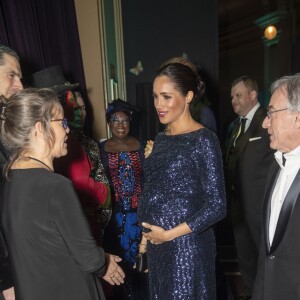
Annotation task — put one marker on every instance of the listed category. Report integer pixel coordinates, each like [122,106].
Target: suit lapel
[271,182]
[286,211]
[244,139]
[235,130]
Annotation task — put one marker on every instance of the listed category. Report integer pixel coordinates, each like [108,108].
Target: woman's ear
[189,97]
[38,129]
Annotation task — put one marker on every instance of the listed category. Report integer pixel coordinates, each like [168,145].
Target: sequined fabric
[92,150]
[183,183]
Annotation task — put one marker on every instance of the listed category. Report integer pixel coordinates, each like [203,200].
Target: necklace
[33,158]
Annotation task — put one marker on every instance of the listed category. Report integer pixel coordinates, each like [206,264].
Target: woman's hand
[143,245]
[114,274]
[148,148]
[142,250]
[157,235]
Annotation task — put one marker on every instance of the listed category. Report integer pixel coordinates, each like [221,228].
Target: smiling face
[119,125]
[170,104]
[282,125]
[242,99]
[10,76]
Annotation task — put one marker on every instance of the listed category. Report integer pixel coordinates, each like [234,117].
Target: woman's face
[119,125]
[170,104]
[60,145]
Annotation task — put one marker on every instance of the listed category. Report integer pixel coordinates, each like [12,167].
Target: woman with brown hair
[53,253]
[183,193]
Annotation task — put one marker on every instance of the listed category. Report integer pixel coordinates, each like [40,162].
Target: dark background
[155,31]
[221,37]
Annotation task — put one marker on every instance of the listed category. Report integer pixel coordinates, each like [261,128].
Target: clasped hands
[114,274]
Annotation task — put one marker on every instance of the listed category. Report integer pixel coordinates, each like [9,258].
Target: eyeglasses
[270,112]
[64,122]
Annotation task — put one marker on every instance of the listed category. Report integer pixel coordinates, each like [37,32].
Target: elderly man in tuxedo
[248,160]
[10,83]
[278,274]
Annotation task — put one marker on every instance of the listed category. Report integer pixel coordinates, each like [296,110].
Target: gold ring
[112,277]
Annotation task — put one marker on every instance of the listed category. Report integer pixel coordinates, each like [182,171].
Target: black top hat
[52,78]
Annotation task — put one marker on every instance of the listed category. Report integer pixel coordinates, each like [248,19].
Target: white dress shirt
[250,115]
[285,179]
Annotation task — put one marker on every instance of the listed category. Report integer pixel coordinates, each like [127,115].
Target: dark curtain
[44,33]
[147,124]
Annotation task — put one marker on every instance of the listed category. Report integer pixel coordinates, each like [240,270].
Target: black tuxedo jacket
[278,275]
[247,166]
[5,270]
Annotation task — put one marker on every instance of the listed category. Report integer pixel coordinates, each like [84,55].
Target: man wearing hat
[10,83]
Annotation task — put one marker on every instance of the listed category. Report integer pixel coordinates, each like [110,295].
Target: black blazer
[279,264]
[6,280]
[249,161]
[247,166]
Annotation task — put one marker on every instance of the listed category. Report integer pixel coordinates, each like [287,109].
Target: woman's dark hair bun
[201,88]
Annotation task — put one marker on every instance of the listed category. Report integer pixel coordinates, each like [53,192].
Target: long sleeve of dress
[74,229]
[183,183]
[209,167]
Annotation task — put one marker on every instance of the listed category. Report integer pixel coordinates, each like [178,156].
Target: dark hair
[181,60]
[118,105]
[250,83]
[9,51]
[184,79]
[20,113]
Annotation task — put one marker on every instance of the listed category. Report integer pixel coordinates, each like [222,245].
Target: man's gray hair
[291,86]
[9,51]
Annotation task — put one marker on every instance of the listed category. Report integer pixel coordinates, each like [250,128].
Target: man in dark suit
[248,160]
[279,258]
[10,83]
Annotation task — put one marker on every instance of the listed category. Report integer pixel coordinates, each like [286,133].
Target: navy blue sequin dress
[183,183]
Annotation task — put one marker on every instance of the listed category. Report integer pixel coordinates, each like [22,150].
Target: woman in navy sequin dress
[183,194]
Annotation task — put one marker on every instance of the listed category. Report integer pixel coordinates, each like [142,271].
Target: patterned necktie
[241,129]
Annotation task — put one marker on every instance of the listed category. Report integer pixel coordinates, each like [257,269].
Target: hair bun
[201,88]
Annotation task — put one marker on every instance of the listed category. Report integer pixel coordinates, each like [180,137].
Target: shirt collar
[251,113]
[290,157]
